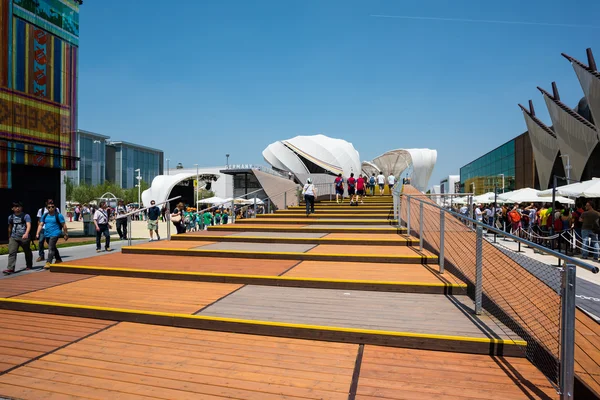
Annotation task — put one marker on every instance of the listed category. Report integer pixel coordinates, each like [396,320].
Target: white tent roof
[397,161]
[163,184]
[528,195]
[213,200]
[588,189]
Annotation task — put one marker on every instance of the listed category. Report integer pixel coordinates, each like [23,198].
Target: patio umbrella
[529,195]
[588,189]
[212,200]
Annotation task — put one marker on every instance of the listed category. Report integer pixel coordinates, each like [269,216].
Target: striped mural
[38,93]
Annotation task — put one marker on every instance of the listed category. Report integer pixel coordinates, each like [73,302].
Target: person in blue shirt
[53,224]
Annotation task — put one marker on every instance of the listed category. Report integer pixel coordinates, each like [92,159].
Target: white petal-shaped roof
[420,161]
[332,155]
[162,185]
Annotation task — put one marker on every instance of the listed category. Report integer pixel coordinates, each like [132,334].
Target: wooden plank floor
[376,250]
[398,312]
[371,272]
[174,244]
[26,336]
[253,266]
[395,374]
[135,293]
[132,361]
[18,284]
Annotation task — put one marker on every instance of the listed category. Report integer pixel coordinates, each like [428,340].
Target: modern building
[450,184]
[91,151]
[507,167]
[38,99]
[123,158]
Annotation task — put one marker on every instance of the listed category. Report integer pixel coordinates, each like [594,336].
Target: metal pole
[495,206]
[554,181]
[442,227]
[478,269]
[399,219]
[421,233]
[254,205]
[233,211]
[408,215]
[197,187]
[129,230]
[331,192]
[269,205]
[168,218]
[567,339]
[285,200]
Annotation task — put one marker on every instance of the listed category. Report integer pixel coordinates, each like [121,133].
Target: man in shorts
[391,180]
[360,188]
[339,189]
[351,187]
[381,182]
[372,181]
[153,216]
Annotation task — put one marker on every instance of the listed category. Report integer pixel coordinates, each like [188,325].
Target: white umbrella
[484,198]
[461,200]
[239,200]
[589,189]
[528,195]
[212,200]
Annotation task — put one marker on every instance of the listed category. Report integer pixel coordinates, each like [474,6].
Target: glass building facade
[128,157]
[513,159]
[91,150]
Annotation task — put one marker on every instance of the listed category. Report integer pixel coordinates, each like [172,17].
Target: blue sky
[201,78]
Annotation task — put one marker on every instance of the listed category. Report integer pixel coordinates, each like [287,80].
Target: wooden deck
[133,361]
[18,284]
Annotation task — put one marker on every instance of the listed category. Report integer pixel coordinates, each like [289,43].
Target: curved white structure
[313,154]
[162,186]
[422,162]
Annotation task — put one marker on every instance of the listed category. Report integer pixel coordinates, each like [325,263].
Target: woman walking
[310,192]
[178,218]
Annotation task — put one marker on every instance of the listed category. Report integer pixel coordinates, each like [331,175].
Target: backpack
[372,180]
[351,184]
[338,183]
[11,219]
[514,217]
[60,225]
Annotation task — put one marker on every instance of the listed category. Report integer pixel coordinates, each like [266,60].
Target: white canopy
[528,195]
[589,188]
[484,198]
[213,200]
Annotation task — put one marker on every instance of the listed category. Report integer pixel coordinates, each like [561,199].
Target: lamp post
[227,155]
[197,186]
[168,166]
[567,167]
[502,175]
[139,186]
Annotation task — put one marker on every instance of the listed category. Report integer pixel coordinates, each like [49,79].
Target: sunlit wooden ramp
[137,361]
[395,319]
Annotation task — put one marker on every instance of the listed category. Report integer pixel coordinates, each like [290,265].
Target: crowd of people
[574,228]
[363,185]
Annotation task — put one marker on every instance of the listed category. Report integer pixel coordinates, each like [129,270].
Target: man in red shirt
[360,189]
[352,188]
[339,188]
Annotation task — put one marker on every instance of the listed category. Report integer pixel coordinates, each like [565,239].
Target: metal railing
[167,217]
[535,301]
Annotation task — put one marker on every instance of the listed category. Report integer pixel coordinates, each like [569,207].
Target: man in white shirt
[40,214]
[381,182]
[478,213]
[391,181]
[102,227]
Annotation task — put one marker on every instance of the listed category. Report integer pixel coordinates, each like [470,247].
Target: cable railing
[167,216]
[535,301]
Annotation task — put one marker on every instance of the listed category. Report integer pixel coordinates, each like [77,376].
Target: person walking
[207,219]
[19,226]
[102,227]
[121,222]
[391,180]
[178,218]
[77,212]
[154,214]
[372,181]
[52,223]
[381,182]
[360,188]
[339,189]
[310,192]
[589,231]
[42,239]
[351,188]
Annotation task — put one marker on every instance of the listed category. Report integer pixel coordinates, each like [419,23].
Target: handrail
[145,208]
[569,260]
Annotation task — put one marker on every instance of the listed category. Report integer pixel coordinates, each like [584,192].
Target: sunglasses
[50,207]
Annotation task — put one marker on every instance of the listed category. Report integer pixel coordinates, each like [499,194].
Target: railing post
[408,215]
[331,193]
[269,205]
[233,211]
[421,233]
[399,217]
[567,338]
[129,230]
[441,257]
[478,269]
[285,201]
[254,206]
[168,218]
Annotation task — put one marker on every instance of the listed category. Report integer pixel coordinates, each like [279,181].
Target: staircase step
[409,257]
[320,221]
[306,229]
[324,214]
[400,241]
[268,280]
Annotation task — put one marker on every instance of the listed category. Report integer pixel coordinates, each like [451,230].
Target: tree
[69,187]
